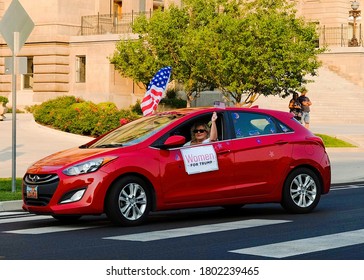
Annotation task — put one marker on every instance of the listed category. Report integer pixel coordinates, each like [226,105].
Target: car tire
[301,191]
[128,202]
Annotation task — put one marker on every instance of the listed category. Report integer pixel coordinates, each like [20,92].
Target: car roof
[253,109]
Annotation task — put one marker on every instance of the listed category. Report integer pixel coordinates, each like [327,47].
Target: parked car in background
[261,156]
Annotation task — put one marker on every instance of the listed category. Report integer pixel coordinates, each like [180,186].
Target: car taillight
[316,139]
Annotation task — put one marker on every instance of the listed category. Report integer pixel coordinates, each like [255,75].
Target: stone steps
[334,99]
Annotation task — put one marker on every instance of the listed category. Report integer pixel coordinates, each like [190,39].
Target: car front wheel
[302,191]
[128,202]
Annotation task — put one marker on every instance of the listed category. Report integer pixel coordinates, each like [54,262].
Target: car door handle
[281,142]
[221,152]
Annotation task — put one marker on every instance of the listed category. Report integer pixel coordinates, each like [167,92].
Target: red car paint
[257,151]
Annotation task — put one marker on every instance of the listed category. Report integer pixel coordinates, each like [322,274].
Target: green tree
[244,47]
[267,50]
[133,60]
[164,40]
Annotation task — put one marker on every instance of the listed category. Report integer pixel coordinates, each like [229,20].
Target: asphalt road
[334,231]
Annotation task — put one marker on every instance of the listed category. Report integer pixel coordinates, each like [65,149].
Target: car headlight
[87,166]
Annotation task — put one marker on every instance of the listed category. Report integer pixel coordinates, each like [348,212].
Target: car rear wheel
[128,202]
[302,191]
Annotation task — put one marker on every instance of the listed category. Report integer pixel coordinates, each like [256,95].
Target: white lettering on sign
[199,159]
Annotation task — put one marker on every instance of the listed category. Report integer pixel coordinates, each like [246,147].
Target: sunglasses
[199,131]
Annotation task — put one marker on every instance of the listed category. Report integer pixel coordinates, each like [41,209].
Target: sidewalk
[347,164]
[35,142]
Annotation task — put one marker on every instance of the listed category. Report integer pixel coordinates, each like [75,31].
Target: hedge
[74,115]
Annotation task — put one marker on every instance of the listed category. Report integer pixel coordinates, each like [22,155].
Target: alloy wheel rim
[132,201]
[303,190]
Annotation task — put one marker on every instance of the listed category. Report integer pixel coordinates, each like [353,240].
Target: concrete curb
[13,205]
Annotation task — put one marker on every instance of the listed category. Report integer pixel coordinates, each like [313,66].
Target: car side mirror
[172,142]
[175,140]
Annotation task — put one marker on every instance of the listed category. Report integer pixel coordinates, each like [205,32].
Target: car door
[262,153]
[199,174]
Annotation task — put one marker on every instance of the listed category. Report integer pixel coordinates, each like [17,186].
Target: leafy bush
[4,100]
[110,117]
[171,94]
[49,111]
[136,108]
[31,108]
[172,101]
[77,116]
[74,115]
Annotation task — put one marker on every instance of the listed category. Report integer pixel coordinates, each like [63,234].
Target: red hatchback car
[260,156]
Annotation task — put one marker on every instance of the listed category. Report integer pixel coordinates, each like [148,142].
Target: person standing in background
[305,104]
[295,107]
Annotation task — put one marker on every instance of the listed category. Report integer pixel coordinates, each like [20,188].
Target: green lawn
[6,189]
[7,194]
[333,142]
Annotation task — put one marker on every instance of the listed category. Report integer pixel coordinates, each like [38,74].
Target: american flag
[155,90]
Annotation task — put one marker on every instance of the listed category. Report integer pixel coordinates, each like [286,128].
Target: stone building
[68,50]
[337,29]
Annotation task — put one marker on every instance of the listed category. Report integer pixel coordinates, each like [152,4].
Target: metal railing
[120,24]
[339,36]
[109,23]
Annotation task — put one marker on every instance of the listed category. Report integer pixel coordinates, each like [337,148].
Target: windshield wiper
[109,145]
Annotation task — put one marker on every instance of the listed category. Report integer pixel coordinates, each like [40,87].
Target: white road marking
[52,229]
[11,213]
[346,187]
[305,246]
[188,231]
[23,219]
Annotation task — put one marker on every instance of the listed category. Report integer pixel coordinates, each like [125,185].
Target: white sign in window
[200,159]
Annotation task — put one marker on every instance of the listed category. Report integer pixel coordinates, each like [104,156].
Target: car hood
[65,158]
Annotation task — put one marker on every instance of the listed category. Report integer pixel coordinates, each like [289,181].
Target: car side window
[185,128]
[285,128]
[253,124]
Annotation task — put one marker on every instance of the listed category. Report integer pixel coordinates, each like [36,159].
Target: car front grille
[46,185]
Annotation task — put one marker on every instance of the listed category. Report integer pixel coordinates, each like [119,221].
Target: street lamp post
[354,14]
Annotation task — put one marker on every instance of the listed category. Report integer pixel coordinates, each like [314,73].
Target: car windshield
[135,132]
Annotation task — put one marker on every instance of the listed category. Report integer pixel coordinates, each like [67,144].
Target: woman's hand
[213,131]
[214,117]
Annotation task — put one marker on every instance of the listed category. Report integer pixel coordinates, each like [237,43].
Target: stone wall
[56,42]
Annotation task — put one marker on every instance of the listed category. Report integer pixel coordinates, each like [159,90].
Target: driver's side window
[185,128]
